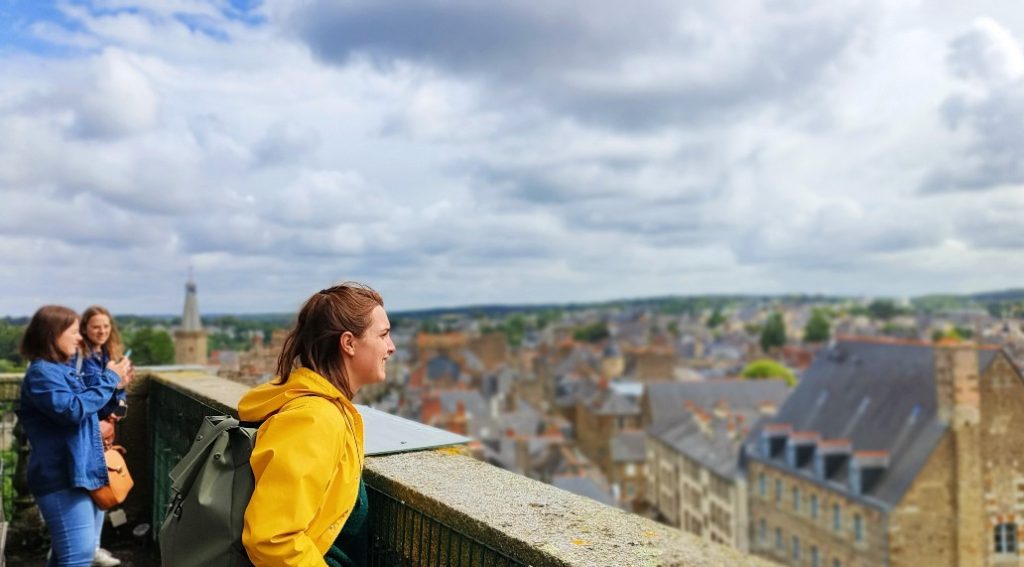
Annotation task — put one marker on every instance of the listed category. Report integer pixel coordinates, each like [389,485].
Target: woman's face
[97,330]
[371,351]
[69,339]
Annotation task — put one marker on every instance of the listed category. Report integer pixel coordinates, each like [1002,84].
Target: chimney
[866,469]
[768,408]
[831,456]
[773,439]
[703,420]
[721,409]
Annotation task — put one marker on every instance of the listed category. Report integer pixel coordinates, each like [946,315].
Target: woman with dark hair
[309,503]
[101,343]
[58,413]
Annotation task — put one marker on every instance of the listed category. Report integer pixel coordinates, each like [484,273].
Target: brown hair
[314,341]
[42,332]
[113,347]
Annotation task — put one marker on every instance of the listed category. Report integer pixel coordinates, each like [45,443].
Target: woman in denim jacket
[101,343]
[58,414]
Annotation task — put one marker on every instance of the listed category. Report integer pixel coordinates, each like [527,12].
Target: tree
[883,309]
[150,346]
[10,340]
[818,329]
[773,335]
[716,318]
[768,368]
[593,333]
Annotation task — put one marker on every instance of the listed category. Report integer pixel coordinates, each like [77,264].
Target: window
[778,490]
[762,530]
[815,559]
[796,548]
[796,499]
[1006,538]
[762,485]
[837,518]
[858,528]
[814,506]
[778,538]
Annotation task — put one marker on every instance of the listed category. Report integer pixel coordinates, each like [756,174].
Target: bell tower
[190,338]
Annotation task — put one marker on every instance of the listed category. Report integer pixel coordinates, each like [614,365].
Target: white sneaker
[103,558]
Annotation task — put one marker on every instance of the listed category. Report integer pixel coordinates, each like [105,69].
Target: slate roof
[610,401]
[584,486]
[714,450]
[879,396]
[628,447]
[440,366]
[666,399]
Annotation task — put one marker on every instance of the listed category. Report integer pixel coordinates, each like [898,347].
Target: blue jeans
[71,518]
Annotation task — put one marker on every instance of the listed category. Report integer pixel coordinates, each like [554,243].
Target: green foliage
[593,333]
[883,309]
[150,346]
[10,339]
[768,368]
[773,335]
[514,328]
[965,333]
[8,366]
[716,318]
[673,328]
[225,341]
[818,329]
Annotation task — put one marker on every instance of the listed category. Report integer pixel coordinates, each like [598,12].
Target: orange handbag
[120,484]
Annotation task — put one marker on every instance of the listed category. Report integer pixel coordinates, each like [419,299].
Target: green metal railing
[402,536]
[175,417]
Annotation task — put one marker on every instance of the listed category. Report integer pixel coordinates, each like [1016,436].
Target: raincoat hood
[267,399]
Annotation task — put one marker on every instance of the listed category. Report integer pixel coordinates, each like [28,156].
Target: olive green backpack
[211,488]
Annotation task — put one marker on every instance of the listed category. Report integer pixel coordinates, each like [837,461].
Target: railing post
[27,531]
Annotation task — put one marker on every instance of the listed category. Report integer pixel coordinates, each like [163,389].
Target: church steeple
[190,320]
[190,338]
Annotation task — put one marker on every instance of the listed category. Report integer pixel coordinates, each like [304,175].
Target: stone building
[601,417]
[628,473]
[693,444]
[190,338]
[895,454]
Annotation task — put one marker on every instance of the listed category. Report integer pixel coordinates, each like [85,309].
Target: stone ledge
[537,523]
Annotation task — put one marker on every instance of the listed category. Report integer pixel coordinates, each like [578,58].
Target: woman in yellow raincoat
[309,504]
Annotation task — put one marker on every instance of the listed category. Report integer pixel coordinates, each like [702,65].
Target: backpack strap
[182,474]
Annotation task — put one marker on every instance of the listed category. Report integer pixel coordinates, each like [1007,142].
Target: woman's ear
[347,342]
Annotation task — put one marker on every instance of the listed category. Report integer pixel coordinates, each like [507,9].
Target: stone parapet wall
[532,522]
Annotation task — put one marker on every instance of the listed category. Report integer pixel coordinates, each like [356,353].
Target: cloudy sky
[453,152]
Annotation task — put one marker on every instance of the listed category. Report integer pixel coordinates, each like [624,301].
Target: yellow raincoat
[307,463]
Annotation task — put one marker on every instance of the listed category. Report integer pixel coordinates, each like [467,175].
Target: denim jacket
[58,413]
[93,366]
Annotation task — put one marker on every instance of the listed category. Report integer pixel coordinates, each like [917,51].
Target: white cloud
[457,152]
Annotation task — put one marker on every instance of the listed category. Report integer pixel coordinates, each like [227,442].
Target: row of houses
[886,453]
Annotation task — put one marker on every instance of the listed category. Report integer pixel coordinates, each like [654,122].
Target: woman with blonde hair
[310,444]
[58,412]
[101,343]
